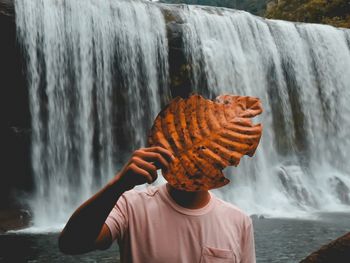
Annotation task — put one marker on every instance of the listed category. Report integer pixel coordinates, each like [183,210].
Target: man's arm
[86,230]
[248,244]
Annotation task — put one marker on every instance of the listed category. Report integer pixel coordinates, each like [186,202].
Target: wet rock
[257,216]
[14,219]
[338,251]
[290,177]
[179,68]
[341,190]
[6,7]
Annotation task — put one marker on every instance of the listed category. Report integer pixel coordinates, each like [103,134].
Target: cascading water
[83,57]
[302,74]
[98,73]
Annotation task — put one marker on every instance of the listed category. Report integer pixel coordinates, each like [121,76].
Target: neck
[191,200]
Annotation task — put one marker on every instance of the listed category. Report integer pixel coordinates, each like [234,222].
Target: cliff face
[15,123]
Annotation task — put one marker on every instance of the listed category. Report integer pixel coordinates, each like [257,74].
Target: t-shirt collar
[187,211]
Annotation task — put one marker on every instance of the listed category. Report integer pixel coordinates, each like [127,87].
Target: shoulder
[232,212]
[141,194]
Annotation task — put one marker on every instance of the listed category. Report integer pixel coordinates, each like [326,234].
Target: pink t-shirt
[151,227]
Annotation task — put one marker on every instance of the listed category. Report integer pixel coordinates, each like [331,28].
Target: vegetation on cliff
[335,12]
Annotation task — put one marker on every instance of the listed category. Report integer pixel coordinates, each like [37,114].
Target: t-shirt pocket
[217,255]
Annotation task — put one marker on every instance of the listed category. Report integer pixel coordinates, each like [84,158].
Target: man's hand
[143,165]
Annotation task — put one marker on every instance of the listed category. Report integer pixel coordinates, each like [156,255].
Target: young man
[161,224]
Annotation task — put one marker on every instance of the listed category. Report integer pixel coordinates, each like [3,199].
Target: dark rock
[257,216]
[179,68]
[338,251]
[14,219]
[7,8]
[15,123]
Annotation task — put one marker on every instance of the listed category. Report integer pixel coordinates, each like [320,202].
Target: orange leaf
[206,136]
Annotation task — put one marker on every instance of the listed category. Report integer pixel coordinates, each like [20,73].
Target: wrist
[119,185]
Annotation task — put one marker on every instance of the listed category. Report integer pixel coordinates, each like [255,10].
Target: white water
[90,61]
[72,49]
[302,74]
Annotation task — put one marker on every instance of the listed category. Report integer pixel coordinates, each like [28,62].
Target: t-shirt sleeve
[248,246]
[117,220]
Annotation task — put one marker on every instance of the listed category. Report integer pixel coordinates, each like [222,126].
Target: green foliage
[333,12]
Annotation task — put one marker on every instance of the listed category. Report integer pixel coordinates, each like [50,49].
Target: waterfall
[87,62]
[98,74]
[302,74]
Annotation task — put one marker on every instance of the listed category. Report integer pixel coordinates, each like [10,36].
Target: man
[161,224]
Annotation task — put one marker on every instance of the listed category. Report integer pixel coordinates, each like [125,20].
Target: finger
[164,152]
[149,167]
[141,172]
[157,158]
